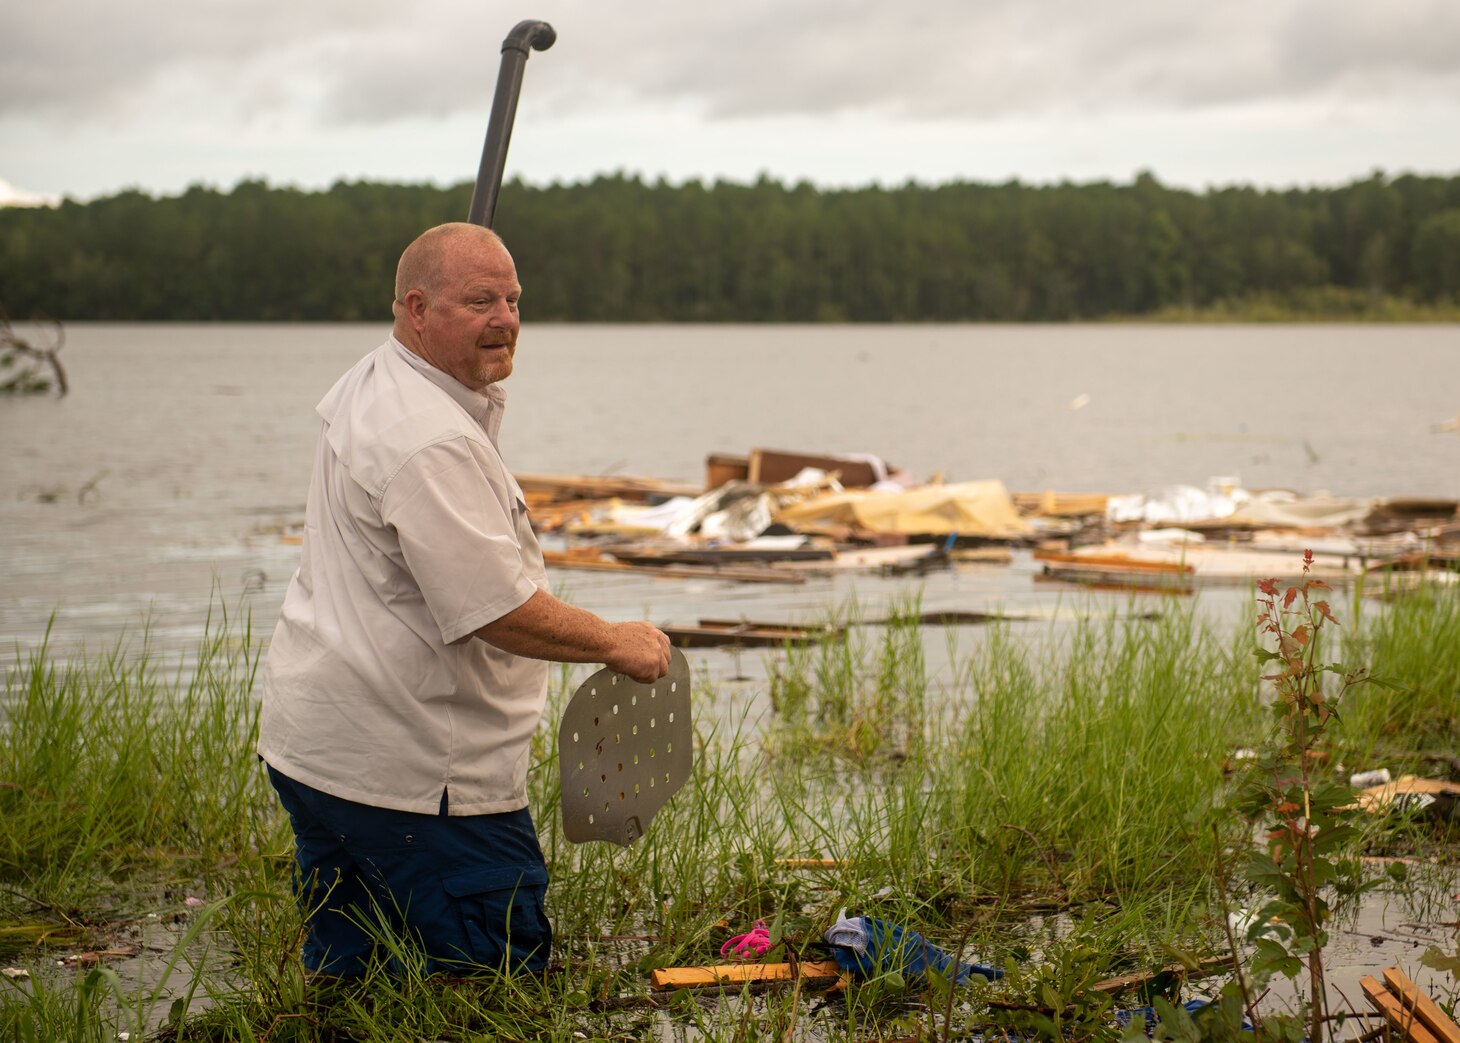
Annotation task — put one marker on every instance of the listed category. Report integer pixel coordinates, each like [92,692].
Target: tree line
[622,249]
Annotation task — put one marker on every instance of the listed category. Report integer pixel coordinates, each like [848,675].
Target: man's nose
[501,315]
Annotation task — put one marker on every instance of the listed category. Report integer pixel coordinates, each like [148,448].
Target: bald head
[426,264]
[456,295]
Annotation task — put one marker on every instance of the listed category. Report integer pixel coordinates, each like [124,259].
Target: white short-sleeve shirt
[416,535]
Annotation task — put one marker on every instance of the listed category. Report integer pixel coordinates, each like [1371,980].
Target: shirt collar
[485,406]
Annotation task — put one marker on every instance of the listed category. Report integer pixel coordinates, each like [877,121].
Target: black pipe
[524,38]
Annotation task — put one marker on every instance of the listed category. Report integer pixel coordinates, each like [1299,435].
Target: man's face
[469,327]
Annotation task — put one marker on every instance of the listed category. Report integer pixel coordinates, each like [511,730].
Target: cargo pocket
[503,922]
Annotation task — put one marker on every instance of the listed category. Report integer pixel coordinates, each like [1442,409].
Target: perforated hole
[671,716]
[651,782]
[621,766]
[651,722]
[590,820]
[636,729]
[669,747]
[615,707]
[633,700]
[575,736]
[674,686]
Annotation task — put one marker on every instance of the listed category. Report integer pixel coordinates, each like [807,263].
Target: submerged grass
[1053,802]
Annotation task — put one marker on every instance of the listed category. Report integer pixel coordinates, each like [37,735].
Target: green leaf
[1440,961]
[1272,958]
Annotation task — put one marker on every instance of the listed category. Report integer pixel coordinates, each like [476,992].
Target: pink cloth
[748,946]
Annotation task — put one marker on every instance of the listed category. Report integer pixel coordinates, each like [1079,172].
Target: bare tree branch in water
[23,365]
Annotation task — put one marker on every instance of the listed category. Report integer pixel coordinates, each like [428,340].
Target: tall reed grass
[1080,769]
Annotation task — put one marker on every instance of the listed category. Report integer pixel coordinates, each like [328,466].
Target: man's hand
[641,650]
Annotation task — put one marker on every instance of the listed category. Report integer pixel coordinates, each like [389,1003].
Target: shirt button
[409,838]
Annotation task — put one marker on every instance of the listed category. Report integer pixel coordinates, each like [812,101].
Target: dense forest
[621,249]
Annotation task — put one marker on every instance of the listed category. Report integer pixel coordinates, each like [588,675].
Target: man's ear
[415,307]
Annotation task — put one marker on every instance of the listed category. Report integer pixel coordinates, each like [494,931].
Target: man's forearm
[543,627]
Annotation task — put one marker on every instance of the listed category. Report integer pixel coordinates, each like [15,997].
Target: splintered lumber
[722,633]
[728,555]
[1136,979]
[740,973]
[1051,504]
[1125,982]
[1379,798]
[601,487]
[738,573]
[1416,1002]
[773,466]
[1114,563]
[1116,570]
[1404,1022]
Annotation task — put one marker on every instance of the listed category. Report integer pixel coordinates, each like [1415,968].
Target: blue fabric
[468,890]
[1148,1014]
[891,947]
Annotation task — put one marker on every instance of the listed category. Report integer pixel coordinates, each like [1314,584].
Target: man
[406,675]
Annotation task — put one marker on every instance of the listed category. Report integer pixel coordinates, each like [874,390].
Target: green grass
[1054,801]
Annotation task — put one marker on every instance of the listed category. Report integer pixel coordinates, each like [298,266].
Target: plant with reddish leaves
[1302,817]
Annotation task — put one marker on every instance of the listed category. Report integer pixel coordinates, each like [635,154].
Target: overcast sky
[160,94]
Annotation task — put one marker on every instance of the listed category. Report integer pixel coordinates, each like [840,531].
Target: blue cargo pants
[467,890]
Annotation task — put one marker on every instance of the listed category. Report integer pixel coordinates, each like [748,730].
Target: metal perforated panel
[624,748]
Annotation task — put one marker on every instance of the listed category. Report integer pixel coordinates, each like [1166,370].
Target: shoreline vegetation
[1062,806]
[620,249]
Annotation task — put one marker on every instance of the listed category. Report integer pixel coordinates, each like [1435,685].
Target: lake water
[182,449]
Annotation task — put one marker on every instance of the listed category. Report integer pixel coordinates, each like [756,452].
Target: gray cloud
[370,61]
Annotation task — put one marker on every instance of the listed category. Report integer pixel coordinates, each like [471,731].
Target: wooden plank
[737,573]
[722,468]
[1051,504]
[1125,982]
[1377,798]
[1412,999]
[1401,1020]
[601,487]
[740,636]
[790,629]
[740,973]
[773,466]
[1114,563]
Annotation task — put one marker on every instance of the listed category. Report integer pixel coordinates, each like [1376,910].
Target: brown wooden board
[721,469]
[737,573]
[739,636]
[1435,1019]
[739,973]
[1402,1021]
[773,466]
